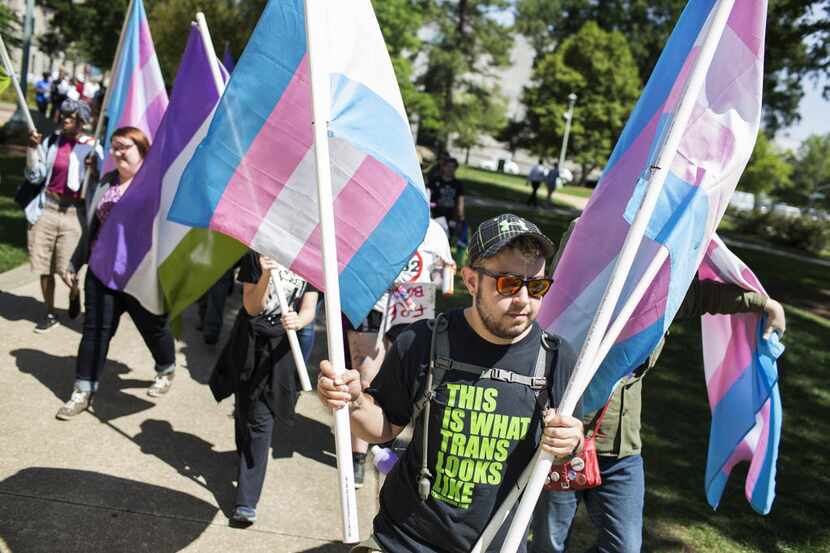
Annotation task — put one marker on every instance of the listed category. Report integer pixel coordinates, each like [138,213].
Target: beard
[500,326]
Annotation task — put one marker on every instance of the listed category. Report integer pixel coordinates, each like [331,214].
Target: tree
[400,21]
[811,175]
[797,41]
[170,24]
[476,115]
[52,43]
[9,26]
[597,66]
[768,171]
[467,43]
[93,26]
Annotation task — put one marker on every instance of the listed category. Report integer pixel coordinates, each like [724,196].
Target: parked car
[504,165]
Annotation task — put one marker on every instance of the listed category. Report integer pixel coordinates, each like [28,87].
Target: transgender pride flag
[742,379]
[715,147]
[253,177]
[137,96]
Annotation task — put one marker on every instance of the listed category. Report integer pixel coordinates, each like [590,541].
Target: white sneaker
[161,385]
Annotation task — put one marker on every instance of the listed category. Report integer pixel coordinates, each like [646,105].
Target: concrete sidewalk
[144,474]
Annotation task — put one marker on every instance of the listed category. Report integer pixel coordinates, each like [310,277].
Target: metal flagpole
[321,104]
[587,357]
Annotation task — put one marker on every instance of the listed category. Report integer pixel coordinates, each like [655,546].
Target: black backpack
[440,363]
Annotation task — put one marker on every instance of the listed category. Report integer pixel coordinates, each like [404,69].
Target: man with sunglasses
[474,383]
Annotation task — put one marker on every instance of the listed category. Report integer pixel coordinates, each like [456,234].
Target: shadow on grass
[676,428]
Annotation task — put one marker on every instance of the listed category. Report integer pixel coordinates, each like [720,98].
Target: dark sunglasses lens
[508,285]
[538,287]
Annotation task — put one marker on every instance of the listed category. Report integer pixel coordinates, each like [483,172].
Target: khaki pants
[54,237]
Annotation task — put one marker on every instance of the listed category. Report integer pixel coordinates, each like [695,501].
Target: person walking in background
[56,215]
[447,196]
[535,177]
[42,94]
[552,181]
[57,94]
[104,306]
[249,368]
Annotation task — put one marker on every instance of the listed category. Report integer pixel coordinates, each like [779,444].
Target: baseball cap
[494,234]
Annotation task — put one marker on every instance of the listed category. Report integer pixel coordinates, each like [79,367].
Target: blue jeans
[615,509]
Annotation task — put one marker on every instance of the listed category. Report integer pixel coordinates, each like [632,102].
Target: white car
[510,166]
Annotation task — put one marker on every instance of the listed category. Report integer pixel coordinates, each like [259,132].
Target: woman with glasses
[56,215]
[103,305]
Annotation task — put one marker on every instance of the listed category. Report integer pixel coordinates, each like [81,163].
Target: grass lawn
[12,223]
[676,425]
[512,188]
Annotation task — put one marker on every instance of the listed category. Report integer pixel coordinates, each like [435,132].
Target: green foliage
[597,66]
[400,21]
[768,169]
[92,27]
[797,40]
[466,44]
[812,172]
[805,233]
[170,25]
[9,26]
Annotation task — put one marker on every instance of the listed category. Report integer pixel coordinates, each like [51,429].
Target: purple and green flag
[165,265]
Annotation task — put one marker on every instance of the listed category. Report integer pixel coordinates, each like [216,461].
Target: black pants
[532,199]
[251,476]
[104,308]
[212,305]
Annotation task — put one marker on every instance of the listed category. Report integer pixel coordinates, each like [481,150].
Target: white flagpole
[383,322]
[21,99]
[296,352]
[587,357]
[99,126]
[321,104]
[207,41]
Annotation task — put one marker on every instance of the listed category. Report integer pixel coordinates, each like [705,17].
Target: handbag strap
[596,422]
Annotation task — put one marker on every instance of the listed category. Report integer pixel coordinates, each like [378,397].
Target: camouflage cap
[494,234]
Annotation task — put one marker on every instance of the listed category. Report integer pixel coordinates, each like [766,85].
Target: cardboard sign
[421,302]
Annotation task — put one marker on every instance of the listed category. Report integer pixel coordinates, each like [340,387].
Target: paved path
[144,474]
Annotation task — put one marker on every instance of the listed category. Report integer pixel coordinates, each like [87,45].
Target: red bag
[582,471]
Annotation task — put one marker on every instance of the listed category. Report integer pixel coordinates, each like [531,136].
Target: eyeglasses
[509,284]
[120,148]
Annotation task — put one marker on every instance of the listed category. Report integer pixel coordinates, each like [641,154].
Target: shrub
[807,233]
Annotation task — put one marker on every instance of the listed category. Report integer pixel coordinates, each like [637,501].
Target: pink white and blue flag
[716,145]
[742,381]
[165,265]
[253,177]
[138,97]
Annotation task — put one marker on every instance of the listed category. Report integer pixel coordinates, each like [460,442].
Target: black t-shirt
[444,194]
[293,286]
[483,434]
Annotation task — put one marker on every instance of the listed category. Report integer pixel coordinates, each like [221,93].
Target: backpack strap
[440,343]
[546,363]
